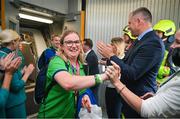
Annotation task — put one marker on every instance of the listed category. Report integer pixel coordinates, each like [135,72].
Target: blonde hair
[8,35]
[119,43]
[61,52]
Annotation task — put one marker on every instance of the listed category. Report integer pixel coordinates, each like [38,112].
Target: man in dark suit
[140,66]
[92,62]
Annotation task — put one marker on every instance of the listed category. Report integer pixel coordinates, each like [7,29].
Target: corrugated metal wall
[106,18]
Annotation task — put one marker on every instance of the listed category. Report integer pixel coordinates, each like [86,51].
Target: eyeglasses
[70,43]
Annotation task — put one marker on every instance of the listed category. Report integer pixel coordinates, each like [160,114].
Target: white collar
[88,52]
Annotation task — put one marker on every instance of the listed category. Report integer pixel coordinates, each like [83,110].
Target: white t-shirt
[166,102]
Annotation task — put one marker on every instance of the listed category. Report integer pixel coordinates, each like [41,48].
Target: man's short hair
[53,36]
[88,42]
[146,14]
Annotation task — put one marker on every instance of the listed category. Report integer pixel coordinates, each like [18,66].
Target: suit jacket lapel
[136,44]
[89,54]
[131,50]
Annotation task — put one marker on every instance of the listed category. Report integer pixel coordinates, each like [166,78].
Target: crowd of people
[141,77]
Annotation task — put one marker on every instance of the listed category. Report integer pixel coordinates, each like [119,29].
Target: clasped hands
[113,73]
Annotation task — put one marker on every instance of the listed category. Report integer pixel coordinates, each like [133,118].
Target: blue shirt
[144,33]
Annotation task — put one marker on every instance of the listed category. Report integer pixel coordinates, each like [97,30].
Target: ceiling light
[35,12]
[34,18]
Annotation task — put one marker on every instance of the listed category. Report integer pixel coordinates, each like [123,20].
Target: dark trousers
[113,103]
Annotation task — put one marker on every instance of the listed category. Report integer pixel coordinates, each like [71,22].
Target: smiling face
[71,45]
[55,42]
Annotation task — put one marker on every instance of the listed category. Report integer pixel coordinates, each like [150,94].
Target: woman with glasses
[67,71]
[15,105]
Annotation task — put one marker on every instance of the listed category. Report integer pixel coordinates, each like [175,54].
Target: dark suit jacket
[92,62]
[140,66]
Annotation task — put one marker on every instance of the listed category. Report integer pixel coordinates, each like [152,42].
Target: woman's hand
[105,50]
[29,69]
[113,72]
[5,61]
[13,66]
[23,70]
[86,103]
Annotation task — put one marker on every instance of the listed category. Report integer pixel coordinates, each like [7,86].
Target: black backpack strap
[41,61]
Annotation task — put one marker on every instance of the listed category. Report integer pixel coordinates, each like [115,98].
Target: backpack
[41,92]
[46,56]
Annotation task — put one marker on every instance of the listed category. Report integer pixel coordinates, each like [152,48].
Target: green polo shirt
[60,103]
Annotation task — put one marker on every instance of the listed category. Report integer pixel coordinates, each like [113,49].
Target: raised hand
[5,61]
[105,50]
[28,71]
[13,65]
[23,70]
[86,103]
